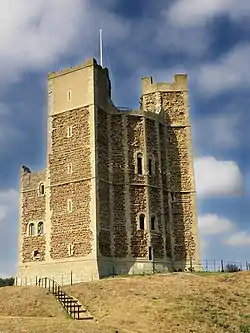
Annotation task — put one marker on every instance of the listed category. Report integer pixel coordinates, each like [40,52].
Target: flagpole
[101,47]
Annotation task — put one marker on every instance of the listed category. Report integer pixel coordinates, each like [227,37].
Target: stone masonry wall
[118,169]
[165,187]
[74,150]
[174,105]
[103,120]
[139,238]
[33,210]
[137,191]
[181,176]
[70,227]
[152,150]
[136,144]
[155,190]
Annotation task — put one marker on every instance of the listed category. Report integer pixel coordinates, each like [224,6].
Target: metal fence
[212,265]
[224,266]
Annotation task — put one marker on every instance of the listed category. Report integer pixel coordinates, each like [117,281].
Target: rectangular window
[142,221]
[150,172]
[139,164]
[152,222]
[150,257]
[69,95]
[69,205]
[70,168]
[69,131]
[71,249]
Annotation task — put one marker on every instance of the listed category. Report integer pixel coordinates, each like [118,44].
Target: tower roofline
[180,83]
[88,63]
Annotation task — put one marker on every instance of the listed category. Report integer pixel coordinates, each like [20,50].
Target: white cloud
[220,131]
[217,178]
[34,34]
[196,12]
[211,224]
[241,238]
[187,40]
[229,72]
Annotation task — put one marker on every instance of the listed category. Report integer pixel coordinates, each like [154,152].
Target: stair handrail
[56,289]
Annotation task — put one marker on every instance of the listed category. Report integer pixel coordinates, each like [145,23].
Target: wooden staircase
[72,306]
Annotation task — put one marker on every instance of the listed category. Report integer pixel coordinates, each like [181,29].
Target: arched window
[31,229]
[142,221]
[153,223]
[41,189]
[40,229]
[139,164]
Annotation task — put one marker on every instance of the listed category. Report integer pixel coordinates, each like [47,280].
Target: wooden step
[69,300]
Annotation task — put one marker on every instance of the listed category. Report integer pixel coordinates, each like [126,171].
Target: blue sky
[209,40]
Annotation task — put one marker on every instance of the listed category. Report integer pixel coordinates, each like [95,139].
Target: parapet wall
[31,180]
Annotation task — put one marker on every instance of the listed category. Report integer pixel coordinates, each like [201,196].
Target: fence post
[214,265]
[191,265]
[222,266]
[71,277]
[246,265]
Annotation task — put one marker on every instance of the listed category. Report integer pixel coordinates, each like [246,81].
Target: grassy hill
[179,302]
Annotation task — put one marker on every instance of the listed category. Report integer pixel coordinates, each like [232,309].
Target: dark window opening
[40,228]
[141,220]
[150,169]
[41,189]
[36,254]
[152,222]
[139,164]
[31,229]
[150,253]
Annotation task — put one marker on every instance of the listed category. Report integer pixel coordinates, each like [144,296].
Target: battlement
[89,63]
[180,83]
[31,180]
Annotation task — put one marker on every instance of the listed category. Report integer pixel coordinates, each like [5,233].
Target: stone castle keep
[118,192]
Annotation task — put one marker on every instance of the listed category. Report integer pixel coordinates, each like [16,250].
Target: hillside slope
[178,302]
[170,303]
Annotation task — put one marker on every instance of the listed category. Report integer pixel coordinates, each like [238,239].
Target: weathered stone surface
[152,151]
[104,243]
[102,144]
[117,148]
[183,221]
[31,244]
[139,238]
[75,150]
[33,210]
[71,228]
[136,144]
[118,167]
[175,109]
